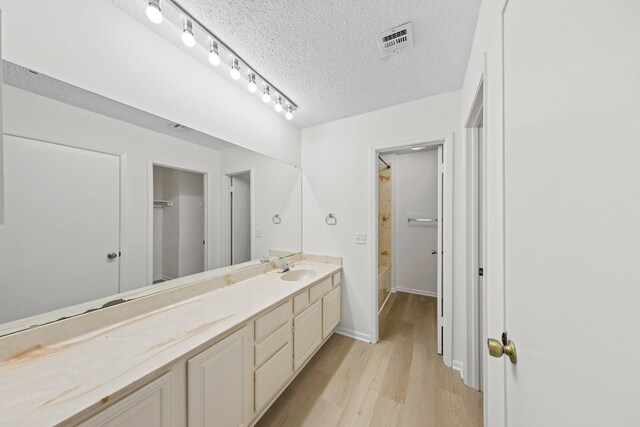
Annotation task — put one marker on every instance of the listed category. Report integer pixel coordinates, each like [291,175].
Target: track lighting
[154,13]
[214,56]
[159,11]
[252,83]
[235,69]
[266,96]
[187,34]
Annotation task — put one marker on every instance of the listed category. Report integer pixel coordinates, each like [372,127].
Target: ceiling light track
[192,32]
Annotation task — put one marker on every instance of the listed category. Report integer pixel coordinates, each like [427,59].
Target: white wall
[93,45]
[37,117]
[336,162]
[415,186]
[276,189]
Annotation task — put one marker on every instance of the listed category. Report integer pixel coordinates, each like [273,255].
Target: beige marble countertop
[48,385]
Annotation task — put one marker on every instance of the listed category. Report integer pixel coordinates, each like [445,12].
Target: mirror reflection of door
[240,217]
[178,223]
[60,243]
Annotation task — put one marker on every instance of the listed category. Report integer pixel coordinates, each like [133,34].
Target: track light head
[214,55]
[235,69]
[252,83]
[187,34]
[154,12]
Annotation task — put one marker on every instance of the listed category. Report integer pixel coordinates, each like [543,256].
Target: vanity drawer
[270,345]
[273,320]
[301,301]
[320,289]
[337,279]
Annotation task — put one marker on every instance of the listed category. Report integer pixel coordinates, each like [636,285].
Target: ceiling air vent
[396,39]
[178,127]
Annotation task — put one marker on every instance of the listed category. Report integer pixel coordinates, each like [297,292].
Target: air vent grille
[178,127]
[396,39]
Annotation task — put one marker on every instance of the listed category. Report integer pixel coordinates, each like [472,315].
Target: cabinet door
[307,335]
[149,406]
[330,311]
[220,385]
[272,376]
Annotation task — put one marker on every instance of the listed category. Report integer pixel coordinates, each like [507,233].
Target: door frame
[447,143]
[205,189]
[475,116]
[226,206]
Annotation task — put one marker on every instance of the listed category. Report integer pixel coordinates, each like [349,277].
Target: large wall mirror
[104,202]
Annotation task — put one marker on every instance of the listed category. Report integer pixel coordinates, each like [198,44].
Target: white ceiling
[31,81]
[324,56]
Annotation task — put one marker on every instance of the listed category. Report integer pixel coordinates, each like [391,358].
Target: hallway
[400,381]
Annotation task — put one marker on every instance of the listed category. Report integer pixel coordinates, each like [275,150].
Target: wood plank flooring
[401,381]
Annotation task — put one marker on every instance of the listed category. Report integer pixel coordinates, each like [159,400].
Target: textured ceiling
[324,56]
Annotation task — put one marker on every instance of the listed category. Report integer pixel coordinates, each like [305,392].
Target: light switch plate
[361,239]
[258,232]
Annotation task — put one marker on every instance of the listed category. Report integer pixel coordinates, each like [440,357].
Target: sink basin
[295,275]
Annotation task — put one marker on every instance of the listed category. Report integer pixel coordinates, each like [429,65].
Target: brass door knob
[498,349]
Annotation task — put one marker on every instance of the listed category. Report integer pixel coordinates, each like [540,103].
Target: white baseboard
[457,365]
[353,334]
[418,292]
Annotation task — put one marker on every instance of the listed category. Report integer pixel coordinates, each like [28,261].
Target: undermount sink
[296,275]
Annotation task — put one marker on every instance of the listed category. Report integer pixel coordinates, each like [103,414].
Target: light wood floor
[400,381]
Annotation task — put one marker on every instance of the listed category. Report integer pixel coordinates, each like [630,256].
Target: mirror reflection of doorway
[240,217]
[178,223]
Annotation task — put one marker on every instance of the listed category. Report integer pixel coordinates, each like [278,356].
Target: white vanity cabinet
[220,384]
[149,406]
[233,382]
[330,312]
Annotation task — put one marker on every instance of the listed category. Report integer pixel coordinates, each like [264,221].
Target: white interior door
[62,220]
[572,209]
[241,218]
[416,242]
[440,248]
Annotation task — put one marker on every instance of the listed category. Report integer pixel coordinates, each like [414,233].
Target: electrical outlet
[361,239]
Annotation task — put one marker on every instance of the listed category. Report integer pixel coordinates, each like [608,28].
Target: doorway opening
[179,223]
[239,214]
[413,236]
[476,241]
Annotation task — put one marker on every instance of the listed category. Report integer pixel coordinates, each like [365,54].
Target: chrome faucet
[288,265]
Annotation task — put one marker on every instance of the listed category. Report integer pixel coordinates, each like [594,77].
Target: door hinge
[481,271]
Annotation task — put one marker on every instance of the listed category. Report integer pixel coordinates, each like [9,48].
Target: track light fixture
[235,69]
[266,96]
[252,83]
[176,15]
[187,33]
[154,12]
[214,56]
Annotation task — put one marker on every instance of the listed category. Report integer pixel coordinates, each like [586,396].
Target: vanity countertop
[47,385]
